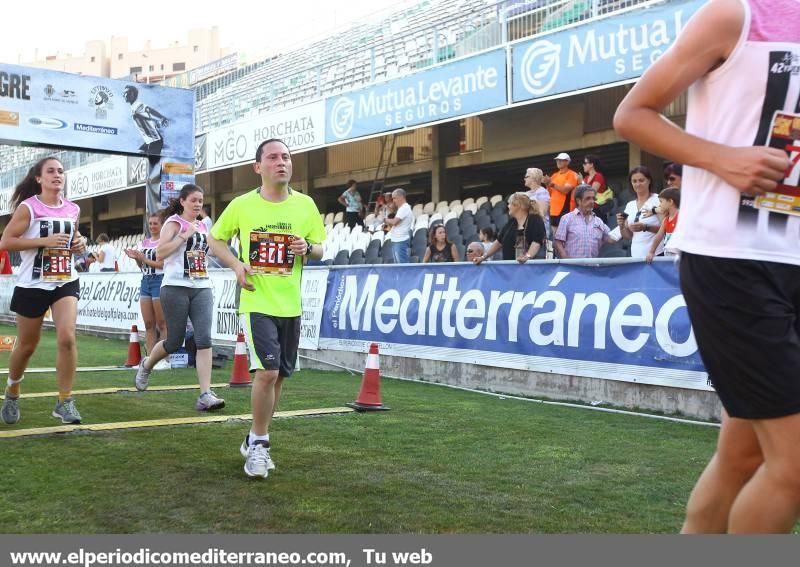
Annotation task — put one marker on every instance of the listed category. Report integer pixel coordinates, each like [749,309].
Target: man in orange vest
[562,183]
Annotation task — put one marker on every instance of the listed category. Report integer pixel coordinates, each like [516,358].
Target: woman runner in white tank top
[186,292]
[44,230]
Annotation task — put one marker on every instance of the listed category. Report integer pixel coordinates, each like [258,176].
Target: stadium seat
[356,257]
[461,249]
[452,229]
[342,258]
[429,208]
[338,217]
[482,222]
[467,201]
[373,253]
[495,199]
[480,201]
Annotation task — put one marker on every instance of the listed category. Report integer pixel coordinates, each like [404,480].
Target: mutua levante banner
[623,322]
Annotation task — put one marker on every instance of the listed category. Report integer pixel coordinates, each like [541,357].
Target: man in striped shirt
[581,233]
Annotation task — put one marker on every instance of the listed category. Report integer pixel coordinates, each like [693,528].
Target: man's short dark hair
[351,182]
[671,194]
[672,168]
[581,190]
[260,149]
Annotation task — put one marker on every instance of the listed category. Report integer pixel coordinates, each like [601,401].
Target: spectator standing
[524,234]
[351,200]
[562,183]
[669,205]
[641,228]
[400,227]
[604,197]
[581,233]
[106,254]
[673,175]
[537,192]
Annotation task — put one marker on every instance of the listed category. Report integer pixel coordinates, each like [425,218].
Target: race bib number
[270,254]
[784,134]
[197,266]
[56,264]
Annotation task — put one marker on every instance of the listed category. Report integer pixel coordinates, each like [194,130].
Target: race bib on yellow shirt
[270,254]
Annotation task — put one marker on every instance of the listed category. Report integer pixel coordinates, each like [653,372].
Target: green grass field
[441,461]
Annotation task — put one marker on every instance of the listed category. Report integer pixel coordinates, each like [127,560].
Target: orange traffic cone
[240,375]
[369,398]
[134,352]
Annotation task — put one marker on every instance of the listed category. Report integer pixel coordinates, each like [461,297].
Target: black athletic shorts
[33,302]
[746,319]
[272,342]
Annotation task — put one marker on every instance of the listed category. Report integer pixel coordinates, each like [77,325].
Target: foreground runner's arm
[705,43]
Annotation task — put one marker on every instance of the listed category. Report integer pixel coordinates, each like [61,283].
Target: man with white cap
[562,183]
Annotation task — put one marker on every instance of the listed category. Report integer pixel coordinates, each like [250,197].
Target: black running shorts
[33,302]
[272,342]
[746,318]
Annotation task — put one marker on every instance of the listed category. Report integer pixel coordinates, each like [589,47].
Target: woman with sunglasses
[641,229]
[592,175]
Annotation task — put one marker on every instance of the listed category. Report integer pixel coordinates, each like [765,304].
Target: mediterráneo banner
[623,322]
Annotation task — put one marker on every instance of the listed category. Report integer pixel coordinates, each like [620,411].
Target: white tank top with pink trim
[751,99]
[45,221]
[184,266]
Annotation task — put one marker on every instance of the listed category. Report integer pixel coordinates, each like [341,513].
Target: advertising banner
[301,128]
[623,322]
[43,107]
[99,178]
[138,169]
[174,175]
[463,87]
[597,53]
[110,300]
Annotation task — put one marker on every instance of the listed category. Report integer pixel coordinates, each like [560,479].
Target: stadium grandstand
[457,172]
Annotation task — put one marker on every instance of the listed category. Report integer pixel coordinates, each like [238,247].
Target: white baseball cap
[563,155]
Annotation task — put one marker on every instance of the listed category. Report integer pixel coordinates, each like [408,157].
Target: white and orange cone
[134,350]
[240,375]
[369,398]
